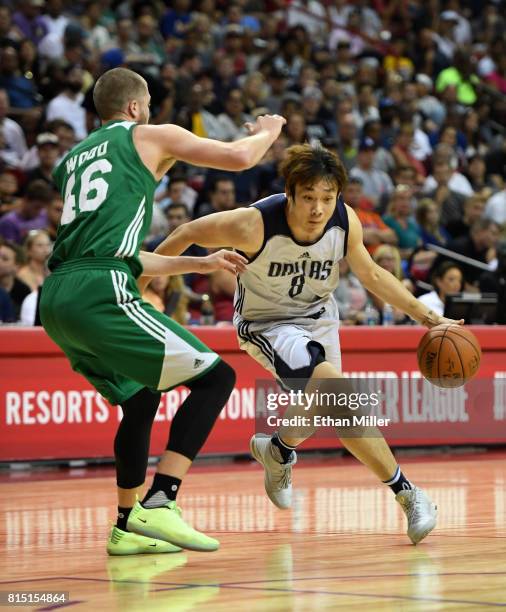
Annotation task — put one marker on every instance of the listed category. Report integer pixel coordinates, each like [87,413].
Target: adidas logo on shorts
[304,255]
[197,363]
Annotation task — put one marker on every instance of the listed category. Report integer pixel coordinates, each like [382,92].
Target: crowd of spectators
[410,95]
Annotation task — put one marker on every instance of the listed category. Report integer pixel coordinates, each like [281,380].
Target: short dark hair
[220,178]
[39,190]
[19,253]
[443,268]
[115,88]
[175,205]
[304,164]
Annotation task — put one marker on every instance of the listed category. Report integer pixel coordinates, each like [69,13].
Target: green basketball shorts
[93,311]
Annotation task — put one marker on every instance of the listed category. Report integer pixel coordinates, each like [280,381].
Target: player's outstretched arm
[383,284]
[175,143]
[160,265]
[241,229]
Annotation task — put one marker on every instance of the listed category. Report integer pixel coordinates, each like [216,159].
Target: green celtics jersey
[108,198]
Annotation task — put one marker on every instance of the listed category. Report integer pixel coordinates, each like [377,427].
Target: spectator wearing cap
[31,214]
[67,105]
[399,218]
[49,152]
[461,31]
[29,21]
[374,229]
[376,183]
[12,134]
[444,38]
[233,119]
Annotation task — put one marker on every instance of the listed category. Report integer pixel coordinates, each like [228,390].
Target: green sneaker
[127,543]
[166,523]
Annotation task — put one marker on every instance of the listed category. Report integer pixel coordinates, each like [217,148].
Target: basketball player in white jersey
[285,313]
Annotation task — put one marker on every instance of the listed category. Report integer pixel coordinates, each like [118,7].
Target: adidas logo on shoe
[304,255]
[197,363]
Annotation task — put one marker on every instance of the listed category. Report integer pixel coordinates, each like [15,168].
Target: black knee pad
[222,377]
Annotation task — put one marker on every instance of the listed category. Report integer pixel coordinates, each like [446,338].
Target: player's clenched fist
[270,123]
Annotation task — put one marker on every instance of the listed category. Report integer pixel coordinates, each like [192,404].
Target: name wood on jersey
[78,160]
[319,270]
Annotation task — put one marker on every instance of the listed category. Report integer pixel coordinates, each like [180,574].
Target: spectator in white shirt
[11,131]
[67,105]
[496,208]
[446,279]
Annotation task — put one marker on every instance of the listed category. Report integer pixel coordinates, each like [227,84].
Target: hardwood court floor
[342,546]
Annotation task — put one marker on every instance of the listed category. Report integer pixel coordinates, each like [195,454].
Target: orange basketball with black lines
[449,355]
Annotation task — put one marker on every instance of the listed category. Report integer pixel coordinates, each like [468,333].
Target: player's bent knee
[220,379]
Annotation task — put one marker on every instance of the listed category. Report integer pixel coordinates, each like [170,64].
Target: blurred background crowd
[410,94]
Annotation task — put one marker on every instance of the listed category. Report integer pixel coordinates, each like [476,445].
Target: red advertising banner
[47,411]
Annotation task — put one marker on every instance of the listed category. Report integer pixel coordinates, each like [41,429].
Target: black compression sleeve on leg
[131,444]
[197,414]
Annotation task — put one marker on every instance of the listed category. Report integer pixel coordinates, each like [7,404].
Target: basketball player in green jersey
[91,306]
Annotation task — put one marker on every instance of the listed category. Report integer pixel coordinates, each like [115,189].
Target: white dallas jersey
[287,279]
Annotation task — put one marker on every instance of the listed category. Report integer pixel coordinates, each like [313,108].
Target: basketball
[449,355]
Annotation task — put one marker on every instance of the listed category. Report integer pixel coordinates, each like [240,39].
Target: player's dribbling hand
[224,260]
[271,123]
[433,319]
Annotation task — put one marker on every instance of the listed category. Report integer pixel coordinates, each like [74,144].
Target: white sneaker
[278,476]
[421,513]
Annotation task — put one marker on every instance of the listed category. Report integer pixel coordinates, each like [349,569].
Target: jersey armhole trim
[136,153]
